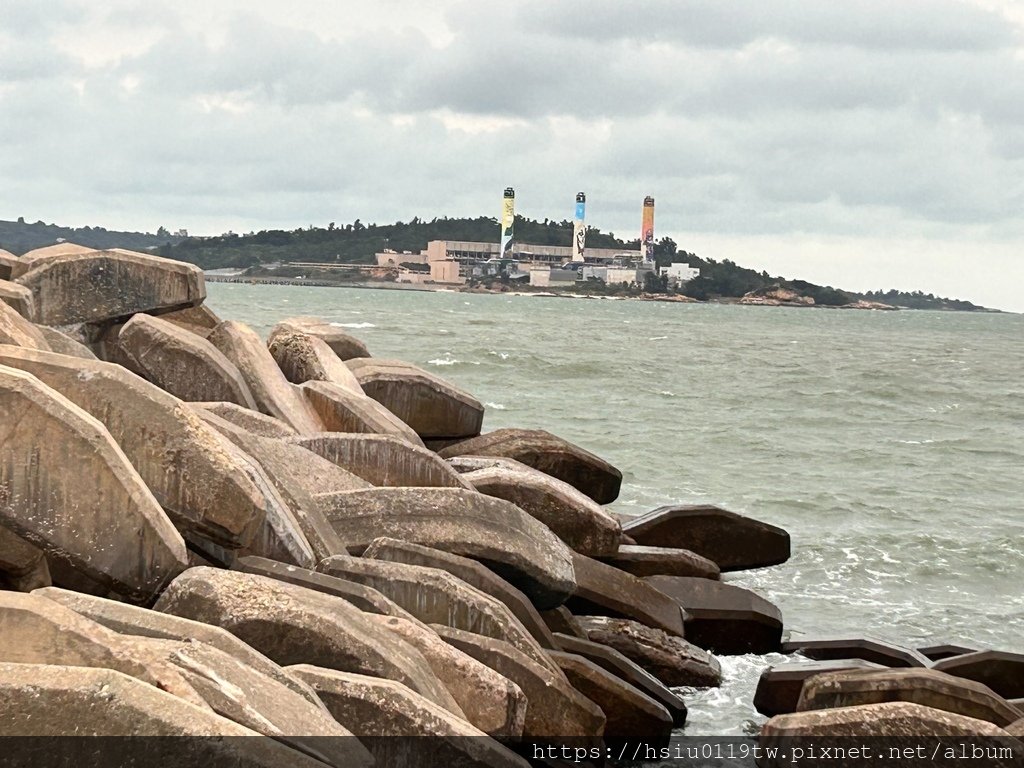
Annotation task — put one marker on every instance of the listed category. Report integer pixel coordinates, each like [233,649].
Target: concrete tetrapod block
[37,256]
[898,726]
[435,596]
[550,454]
[344,345]
[302,357]
[778,688]
[661,561]
[867,648]
[38,631]
[19,298]
[16,330]
[255,701]
[555,709]
[561,620]
[1001,671]
[615,663]
[1016,729]
[366,599]
[184,462]
[472,573]
[273,394]
[342,410]
[384,460]
[8,260]
[944,651]
[132,620]
[251,421]
[602,590]
[49,701]
[179,362]
[572,516]
[199,320]
[104,286]
[672,660]
[629,713]
[724,618]
[63,344]
[734,542]
[69,490]
[503,537]
[23,567]
[300,476]
[392,722]
[430,405]
[927,687]
[492,703]
[294,625]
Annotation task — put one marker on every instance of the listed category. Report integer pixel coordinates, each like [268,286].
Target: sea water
[889,444]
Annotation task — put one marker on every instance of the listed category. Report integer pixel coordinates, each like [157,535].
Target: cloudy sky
[865,144]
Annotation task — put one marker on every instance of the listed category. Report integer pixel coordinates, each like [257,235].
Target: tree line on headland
[357,242]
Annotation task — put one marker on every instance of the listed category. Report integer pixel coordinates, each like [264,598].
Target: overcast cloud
[866,144]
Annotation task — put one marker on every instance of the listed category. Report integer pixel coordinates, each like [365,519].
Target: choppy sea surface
[889,444]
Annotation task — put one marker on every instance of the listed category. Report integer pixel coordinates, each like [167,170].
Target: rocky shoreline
[207,534]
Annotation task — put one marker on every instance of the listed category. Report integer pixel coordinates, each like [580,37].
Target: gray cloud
[854,120]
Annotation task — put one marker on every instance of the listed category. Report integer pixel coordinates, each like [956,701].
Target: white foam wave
[444,361]
[354,325]
[657,338]
[495,406]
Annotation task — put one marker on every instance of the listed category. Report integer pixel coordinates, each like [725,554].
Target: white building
[680,273]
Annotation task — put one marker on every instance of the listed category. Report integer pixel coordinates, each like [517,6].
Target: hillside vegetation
[358,242]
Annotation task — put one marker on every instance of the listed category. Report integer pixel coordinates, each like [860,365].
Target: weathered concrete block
[273,394]
[366,599]
[342,410]
[944,651]
[63,344]
[303,358]
[179,362]
[184,462]
[661,561]
[8,260]
[472,573]
[735,542]
[435,596]
[629,713]
[615,663]
[550,454]
[1001,671]
[104,286]
[19,298]
[430,405]
[778,688]
[572,516]
[561,620]
[261,703]
[133,620]
[16,330]
[299,476]
[384,460]
[38,256]
[43,700]
[869,649]
[900,725]
[555,710]
[198,320]
[251,421]
[492,703]
[671,659]
[344,345]
[1016,729]
[602,590]
[927,687]
[495,532]
[67,488]
[380,710]
[293,625]
[38,631]
[724,618]
[23,567]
